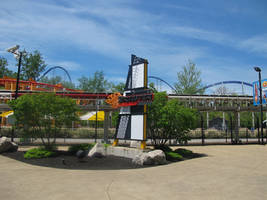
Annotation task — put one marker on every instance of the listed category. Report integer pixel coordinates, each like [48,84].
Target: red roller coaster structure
[8,86]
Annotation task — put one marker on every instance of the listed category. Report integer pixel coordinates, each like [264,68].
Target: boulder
[7,146]
[156,157]
[81,154]
[143,159]
[97,151]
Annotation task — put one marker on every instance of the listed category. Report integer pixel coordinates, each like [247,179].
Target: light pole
[14,50]
[257,69]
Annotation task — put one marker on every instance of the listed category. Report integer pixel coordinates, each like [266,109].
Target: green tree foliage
[4,71]
[32,65]
[169,119]
[117,87]
[58,80]
[95,84]
[43,115]
[152,87]
[189,80]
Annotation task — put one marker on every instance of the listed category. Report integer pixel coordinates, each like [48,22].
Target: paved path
[228,172]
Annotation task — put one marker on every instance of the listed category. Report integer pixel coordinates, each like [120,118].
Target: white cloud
[201,34]
[117,29]
[256,44]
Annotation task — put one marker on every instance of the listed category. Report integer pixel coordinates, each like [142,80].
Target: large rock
[97,151]
[156,157]
[7,146]
[143,159]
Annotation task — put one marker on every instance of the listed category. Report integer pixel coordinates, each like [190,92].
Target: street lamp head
[13,49]
[257,69]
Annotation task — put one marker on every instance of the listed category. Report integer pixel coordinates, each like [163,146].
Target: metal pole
[226,135]
[202,130]
[96,108]
[18,74]
[258,128]
[231,123]
[16,91]
[262,142]
[247,134]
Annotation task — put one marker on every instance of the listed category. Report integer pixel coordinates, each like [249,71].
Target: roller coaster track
[206,87]
[228,82]
[56,67]
[160,79]
[10,84]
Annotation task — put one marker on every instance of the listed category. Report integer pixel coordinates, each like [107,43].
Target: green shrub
[76,147]
[173,156]
[163,147]
[184,152]
[106,145]
[38,153]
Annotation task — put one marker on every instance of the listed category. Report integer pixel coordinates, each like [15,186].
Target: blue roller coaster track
[56,67]
[206,87]
[157,78]
[228,82]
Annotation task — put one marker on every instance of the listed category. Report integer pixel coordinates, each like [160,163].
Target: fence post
[247,134]
[258,128]
[231,127]
[202,130]
[226,135]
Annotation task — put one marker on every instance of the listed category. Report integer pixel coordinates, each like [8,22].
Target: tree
[95,84]
[222,90]
[152,87]
[169,119]
[189,80]
[32,65]
[57,80]
[43,115]
[154,117]
[4,71]
[117,88]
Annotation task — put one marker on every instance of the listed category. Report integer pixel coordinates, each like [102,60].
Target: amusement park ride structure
[87,101]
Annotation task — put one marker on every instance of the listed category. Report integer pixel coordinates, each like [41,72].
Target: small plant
[106,145]
[184,152]
[173,156]
[38,153]
[163,147]
[76,147]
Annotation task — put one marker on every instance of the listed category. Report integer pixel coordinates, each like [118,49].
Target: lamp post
[18,55]
[257,69]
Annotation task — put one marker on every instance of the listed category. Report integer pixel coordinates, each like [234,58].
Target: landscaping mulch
[65,160]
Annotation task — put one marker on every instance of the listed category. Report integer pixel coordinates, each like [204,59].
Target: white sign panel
[138,76]
[123,126]
[137,127]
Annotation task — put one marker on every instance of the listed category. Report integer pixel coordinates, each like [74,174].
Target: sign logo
[113,100]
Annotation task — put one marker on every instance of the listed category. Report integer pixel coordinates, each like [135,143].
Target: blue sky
[224,38]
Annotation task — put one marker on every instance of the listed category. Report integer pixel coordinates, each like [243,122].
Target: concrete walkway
[228,172]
